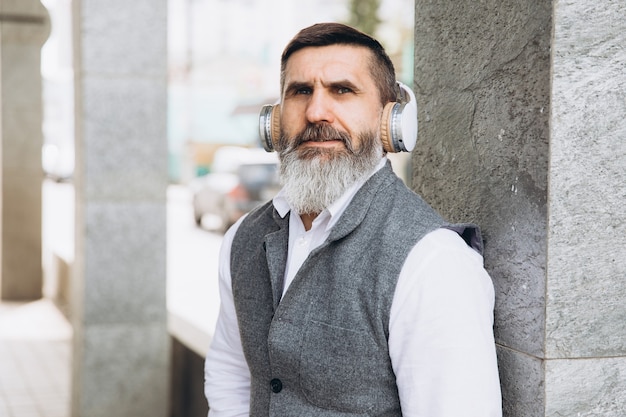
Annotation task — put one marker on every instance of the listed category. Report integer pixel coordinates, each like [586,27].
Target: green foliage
[364,15]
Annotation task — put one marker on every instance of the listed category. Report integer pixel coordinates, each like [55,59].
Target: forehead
[327,63]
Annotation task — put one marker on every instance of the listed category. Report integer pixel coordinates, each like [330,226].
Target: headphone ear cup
[405,121]
[386,130]
[275,125]
[398,125]
[269,126]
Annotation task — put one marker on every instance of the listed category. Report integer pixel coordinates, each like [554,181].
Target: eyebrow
[296,85]
[344,83]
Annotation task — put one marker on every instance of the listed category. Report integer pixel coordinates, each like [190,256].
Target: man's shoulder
[396,193]
[406,205]
[265,210]
[260,221]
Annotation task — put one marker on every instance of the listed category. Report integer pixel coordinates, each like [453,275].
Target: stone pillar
[585,345]
[516,95]
[121,345]
[24,27]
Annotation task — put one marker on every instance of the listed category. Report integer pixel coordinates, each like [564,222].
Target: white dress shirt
[440,331]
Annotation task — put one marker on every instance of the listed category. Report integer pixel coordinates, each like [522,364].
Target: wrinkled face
[330,91]
[330,119]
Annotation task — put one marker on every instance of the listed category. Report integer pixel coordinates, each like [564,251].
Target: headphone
[398,127]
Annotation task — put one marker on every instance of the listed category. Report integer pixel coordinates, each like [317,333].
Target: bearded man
[347,295]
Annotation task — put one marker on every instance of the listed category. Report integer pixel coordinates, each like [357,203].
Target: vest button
[276,385]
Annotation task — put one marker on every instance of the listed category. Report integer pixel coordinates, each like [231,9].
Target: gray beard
[313,179]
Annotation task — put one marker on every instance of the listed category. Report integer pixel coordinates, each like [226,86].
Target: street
[192,258]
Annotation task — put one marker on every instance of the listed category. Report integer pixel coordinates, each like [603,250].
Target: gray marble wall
[121,344]
[586,268]
[522,130]
[24,27]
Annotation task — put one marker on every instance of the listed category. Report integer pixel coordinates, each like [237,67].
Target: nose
[319,108]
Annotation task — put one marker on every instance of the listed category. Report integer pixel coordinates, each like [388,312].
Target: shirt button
[276,385]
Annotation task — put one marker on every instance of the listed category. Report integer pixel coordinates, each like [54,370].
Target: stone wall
[522,131]
[586,269]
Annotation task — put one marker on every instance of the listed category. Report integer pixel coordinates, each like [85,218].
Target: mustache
[317,133]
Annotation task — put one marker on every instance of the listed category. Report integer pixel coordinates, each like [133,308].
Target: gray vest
[322,349]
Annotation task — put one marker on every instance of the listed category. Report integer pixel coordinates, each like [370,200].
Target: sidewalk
[35,337]
[35,360]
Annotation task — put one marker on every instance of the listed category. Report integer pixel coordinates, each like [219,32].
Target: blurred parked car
[240,179]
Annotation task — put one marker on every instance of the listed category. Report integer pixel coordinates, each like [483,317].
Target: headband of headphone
[398,127]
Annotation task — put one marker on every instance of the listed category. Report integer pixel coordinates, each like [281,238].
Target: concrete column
[121,344]
[585,370]
[24,27]
[515,96]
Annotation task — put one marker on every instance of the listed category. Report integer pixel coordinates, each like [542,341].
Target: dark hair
[325,34]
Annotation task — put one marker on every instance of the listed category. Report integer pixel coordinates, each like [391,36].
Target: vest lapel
[276,248]
[360,204]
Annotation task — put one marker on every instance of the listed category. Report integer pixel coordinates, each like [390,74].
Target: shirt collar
[336,209]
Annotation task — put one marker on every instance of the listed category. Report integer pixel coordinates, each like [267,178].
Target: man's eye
[343,90]
[304,91]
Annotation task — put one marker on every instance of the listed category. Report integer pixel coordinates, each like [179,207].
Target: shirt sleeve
[227,376]
[441,332]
